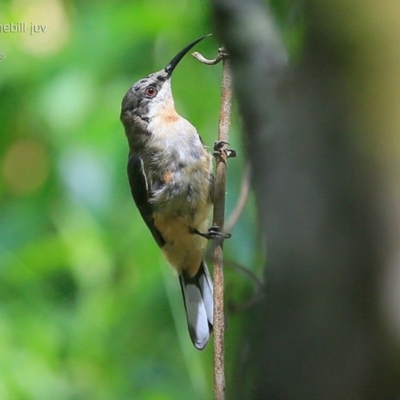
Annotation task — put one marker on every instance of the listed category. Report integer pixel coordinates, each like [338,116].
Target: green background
[89,309]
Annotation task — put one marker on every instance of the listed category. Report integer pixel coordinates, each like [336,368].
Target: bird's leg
[213,233]
[220,148]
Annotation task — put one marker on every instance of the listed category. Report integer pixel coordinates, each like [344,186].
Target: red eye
[150,91]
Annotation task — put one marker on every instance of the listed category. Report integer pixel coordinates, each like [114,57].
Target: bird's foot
[213,233]
[220,149]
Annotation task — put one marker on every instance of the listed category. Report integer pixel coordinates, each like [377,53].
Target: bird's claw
[213,233]
[220,147]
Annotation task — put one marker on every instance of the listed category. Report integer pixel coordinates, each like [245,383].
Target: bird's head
[150,95]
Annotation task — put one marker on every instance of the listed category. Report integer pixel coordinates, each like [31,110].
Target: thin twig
[221,56]
[239,207]
[218,220]
[243,197]
[258,288]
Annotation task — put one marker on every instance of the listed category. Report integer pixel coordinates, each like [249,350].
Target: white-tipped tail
[199,305]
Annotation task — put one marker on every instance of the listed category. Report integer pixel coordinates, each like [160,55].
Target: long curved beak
[175,61]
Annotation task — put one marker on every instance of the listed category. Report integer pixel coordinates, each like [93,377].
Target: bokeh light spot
[25,167]
[47,25]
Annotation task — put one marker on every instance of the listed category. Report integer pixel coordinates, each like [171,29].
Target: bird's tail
[199,305]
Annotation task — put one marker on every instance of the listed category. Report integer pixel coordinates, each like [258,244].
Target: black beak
[175,61]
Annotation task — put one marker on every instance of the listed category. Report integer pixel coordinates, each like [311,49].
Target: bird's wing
[141,195]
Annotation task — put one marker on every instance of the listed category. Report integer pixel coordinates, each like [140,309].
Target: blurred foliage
[89,309]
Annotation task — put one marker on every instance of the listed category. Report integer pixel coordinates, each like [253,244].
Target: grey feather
[197,294]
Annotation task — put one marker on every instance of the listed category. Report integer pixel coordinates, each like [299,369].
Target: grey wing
[141,195]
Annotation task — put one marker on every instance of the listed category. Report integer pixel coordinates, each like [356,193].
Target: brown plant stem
[218,220]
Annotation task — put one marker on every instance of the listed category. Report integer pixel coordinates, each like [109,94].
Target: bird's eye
[151,91]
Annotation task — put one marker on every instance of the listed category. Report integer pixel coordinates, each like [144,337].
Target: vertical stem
[218,220]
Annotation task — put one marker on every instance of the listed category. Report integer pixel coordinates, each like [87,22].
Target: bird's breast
[181,188]
[179,171]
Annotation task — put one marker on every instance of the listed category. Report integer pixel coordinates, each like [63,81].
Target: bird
[170,176]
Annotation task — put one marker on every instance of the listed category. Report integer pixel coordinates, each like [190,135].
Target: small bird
[171,180]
